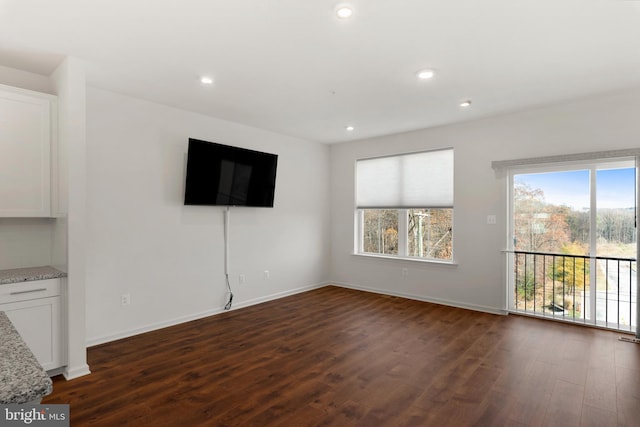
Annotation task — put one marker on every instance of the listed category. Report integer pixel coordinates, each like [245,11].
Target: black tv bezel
[233,153]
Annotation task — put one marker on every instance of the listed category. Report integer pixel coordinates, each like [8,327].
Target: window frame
[403,239]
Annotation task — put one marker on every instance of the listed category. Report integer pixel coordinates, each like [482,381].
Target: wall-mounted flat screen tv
[222,175]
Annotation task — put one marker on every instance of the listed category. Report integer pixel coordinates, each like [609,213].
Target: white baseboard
[457,304]
[195,316]
[242,304]
[76,372]
[278,295]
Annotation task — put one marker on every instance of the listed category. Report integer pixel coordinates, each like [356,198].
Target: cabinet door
[25,154]
[38,323]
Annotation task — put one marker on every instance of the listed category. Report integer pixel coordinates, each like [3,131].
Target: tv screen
[222,175]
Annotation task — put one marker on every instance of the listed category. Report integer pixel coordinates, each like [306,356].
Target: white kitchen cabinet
[34,308]
[28,123]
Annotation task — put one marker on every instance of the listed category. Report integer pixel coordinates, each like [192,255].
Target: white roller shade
[416,180]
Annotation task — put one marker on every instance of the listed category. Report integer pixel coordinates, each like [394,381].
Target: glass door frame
[591,165]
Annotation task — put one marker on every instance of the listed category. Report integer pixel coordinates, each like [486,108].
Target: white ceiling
[292,67]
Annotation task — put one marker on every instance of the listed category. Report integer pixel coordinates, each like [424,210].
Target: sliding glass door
[573,237]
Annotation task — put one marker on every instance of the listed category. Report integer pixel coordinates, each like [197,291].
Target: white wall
[141,240]
[25,242]
[477,281]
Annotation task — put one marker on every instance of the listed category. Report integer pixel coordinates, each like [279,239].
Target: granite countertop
[16,275]
[22,378]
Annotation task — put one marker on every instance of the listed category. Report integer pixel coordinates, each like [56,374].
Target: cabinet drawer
[24,291]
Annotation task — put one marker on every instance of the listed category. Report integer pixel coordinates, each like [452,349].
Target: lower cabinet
[34,309]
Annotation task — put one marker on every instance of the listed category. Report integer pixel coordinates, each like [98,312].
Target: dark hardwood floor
[339,357]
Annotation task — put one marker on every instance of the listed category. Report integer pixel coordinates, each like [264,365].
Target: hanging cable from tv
[227,214]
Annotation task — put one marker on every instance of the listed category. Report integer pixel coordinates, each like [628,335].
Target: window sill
[410,259]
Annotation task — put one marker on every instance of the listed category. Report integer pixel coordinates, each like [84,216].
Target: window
[405,205]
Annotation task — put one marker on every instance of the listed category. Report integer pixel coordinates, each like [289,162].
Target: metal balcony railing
[600,291]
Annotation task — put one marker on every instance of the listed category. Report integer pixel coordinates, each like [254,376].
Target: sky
[615,188]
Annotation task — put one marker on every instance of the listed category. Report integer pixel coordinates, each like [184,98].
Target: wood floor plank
[565,407]
[340,357]
[597,417]
[600,388]
[628,411]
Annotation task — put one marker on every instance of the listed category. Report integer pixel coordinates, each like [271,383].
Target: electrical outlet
[491,219]
[125,299]
[242,279]
[266,275]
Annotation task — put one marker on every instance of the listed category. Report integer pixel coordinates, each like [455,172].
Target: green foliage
[572,272]
[526,286]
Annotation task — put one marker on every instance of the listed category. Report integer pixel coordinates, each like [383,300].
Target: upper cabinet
[28,129]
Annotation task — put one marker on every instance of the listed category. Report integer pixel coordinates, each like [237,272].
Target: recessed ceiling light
[344,12]
[425,74]
[465,104]
[350,128]
[205,80]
